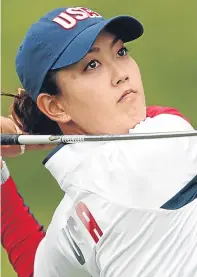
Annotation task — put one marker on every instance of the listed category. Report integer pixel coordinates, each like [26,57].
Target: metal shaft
[10,139]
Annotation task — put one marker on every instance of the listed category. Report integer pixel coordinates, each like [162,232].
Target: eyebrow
[97,49]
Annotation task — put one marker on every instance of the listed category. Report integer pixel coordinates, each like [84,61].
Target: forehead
[104,37]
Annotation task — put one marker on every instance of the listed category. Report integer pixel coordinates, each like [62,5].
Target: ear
[52,108]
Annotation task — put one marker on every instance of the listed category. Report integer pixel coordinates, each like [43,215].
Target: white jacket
[109,222]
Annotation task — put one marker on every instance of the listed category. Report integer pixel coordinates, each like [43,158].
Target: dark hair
[26,114]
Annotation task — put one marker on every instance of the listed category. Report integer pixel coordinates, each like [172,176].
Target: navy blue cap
[63,37]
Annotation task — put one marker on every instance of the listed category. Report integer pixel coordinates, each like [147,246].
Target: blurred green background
[166,54]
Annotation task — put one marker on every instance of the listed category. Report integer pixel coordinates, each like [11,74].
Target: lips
[125,93]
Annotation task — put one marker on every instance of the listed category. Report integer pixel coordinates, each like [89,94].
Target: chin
[136,118]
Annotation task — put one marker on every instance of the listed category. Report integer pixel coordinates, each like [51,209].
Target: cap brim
[126,28]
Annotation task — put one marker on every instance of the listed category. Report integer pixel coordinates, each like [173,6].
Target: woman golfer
[79,79]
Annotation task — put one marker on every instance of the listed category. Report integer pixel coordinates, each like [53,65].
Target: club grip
[9,139]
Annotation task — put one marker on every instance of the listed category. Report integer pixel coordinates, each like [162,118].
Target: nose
[119,75]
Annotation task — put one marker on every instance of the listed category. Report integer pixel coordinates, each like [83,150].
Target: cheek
[136,71]
[137,79]
[86,97]
[90,89]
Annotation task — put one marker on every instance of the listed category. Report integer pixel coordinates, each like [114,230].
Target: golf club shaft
[14,139]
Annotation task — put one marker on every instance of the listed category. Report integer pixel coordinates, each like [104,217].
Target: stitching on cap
[73,39]
[48,49]
[41,44]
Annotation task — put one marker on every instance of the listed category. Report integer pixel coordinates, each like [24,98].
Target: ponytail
[28,117]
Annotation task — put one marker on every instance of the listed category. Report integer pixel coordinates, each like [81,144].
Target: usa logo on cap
[69,18]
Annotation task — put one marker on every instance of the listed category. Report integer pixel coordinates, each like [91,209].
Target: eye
[93,64]
[122,52]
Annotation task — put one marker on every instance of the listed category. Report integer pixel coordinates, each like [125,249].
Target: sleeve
[20,232]
[153,111]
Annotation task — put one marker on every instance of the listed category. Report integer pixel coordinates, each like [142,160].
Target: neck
[71,128]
